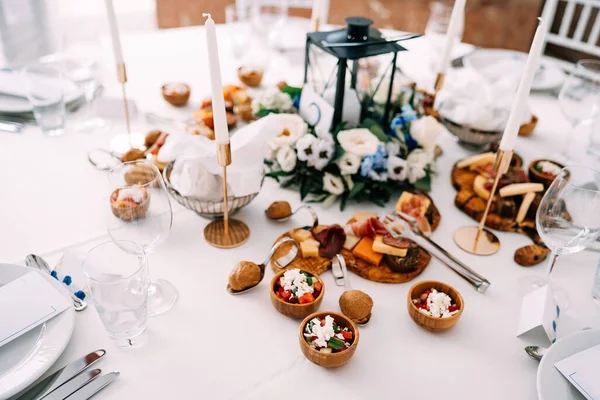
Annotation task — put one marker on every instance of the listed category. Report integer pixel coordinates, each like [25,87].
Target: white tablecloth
[217,346]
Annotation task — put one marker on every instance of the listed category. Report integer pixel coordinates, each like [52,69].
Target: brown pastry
[160,141]
[176,93]
[404,264]
[250,76]
[140,174]
[356,305]
[240,97]
[279,210]
[159,164]
[132,155]
[244,275]
[244,111]
[130,204]
[202,130]
[152,137]
[206,117]
[281,85]
[531,255]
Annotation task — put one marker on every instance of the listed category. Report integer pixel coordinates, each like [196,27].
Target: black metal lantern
[351,49]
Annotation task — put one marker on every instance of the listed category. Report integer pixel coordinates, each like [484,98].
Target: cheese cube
[364,251]
[406,197]
[527,200]
[363,216]
[309,248]
[301,235]
[351,241]
[520,188]
[477,160]
[381,247]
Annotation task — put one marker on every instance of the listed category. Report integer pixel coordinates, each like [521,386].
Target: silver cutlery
[306,207]
[73,385]
[63,375]
[342,278]
[264,263]
[536,352]
[35,261]
[402,225]
[94,386]
[13,127]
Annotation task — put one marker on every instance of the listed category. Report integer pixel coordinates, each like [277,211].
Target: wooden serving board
[377,273]
[468,202]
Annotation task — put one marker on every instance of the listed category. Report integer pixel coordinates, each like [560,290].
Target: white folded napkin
[470,99]
[11,83]
[69,271]
[244,175]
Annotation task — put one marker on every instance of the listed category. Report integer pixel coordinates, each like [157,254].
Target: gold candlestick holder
[476,239]
[439,82]
[226,233]
[122,142]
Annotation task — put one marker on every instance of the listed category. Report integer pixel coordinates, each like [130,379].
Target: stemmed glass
[437,27]
[579,98]
[139,211]
[568,217]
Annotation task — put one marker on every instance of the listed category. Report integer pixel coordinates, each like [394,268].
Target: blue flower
[401,121]
[410,142]
[375,162]
[54,275]
[67,280]
[366,165]
[80,294]
[296,101]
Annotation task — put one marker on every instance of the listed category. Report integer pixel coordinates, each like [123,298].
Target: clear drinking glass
[437,27]
[568,217]
[579,98]
[238,19]
[139,211]
[44,86]
[596,285]
[268,20]
[118,284]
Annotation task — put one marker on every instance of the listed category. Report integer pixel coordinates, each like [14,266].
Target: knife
[62,376]
[94,387]
[10,127]
[73,385]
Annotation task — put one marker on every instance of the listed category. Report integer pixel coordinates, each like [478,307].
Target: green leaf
[358,187]
[304,189]
[375,129]
[423,183]
[343,200]
[263,112]
[338,153]
[275,174]
[291,90]
[335,343]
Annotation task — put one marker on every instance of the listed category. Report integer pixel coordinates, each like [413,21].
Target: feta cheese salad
[435,304]
[298,287]
[324,335]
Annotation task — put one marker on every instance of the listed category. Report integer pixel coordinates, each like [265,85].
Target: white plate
[495,63]
[25,359]
[551,384]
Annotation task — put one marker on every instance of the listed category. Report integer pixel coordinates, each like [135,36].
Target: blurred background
[32,28]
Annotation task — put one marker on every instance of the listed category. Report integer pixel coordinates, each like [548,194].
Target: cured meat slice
[369,227]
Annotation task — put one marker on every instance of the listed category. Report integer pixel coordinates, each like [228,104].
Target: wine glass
[140,212]
[437,27]
[567,218]
[268,20]
[579,98]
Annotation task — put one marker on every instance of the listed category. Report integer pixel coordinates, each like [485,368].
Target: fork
[405,226]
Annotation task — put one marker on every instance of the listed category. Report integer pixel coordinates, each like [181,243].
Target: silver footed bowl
[206,208]
[471,137]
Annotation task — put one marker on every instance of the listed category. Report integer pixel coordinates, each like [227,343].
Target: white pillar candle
[458,13]
[315,16]
[114,32]
[511,131]
[218,102]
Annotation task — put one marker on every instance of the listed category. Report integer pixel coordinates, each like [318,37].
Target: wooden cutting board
[468,202]
[377,273]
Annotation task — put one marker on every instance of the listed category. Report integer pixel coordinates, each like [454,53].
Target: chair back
[578,26]
[293,4]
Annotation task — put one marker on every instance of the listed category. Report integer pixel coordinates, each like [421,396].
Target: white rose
[359,141]
[333,184]
[426,131]
[323,152]
[349,164]
[397,168]
[272,149]
[417,161]
[305,149]
[286,158]
[292,128]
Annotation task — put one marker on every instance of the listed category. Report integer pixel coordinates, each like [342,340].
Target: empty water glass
[118,284]
[44,87]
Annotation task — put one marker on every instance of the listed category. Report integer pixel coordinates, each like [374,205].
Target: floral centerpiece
[368,163]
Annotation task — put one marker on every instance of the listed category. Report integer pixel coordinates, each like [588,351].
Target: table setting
[363,217]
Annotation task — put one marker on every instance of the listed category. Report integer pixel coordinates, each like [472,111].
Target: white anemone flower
[417,161]
[333,184]
[323,153]
[286,158]
[397,168]
[305,148]
[349,164]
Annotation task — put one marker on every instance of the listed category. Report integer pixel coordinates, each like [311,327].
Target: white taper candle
[458,14]
[114,32]
[511,131]
[218,102]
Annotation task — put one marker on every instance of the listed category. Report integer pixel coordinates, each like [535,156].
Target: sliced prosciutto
[369,227]
[331,239]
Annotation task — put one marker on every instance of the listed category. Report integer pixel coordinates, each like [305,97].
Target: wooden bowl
[128,214]
[434,324]
[537,177]
[329,360]
[250,76]
[296,311]
[178,99]
[528,128]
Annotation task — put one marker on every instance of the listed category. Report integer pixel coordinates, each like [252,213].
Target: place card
[314,109]
[539,314]
[33,301]
[581,369]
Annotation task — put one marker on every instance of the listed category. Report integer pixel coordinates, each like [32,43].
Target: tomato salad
[324,335]
[298,287]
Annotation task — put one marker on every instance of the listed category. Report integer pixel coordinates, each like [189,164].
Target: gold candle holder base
[124,141]
[476,239]
[439,82]
[226,233]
